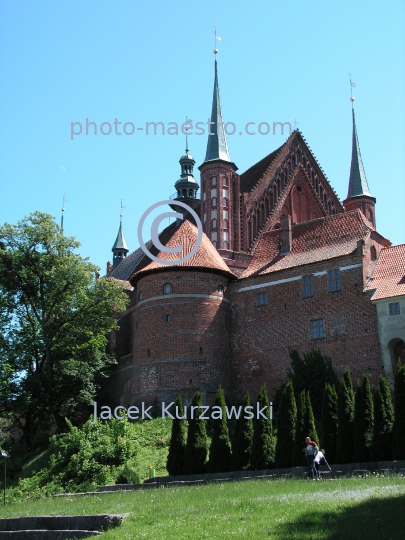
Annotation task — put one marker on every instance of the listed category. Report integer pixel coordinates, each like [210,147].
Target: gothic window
[214,224]
[167,288]
[213,181]
[140,295]
[373,253]
[317,329]
[308,286]
[261,299]
[225,223]
[224,181]
[214,201]
[334,280]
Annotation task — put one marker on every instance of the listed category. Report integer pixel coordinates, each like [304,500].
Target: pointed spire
[217,147]
[357,182]
[120,248]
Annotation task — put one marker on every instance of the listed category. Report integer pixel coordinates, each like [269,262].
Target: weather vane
[121,214]
[63,209]
[352,85]
[188,125]
[217,38]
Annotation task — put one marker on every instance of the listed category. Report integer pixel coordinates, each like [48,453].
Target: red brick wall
[193,347]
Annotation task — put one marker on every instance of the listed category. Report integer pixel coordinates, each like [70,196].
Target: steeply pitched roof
[120,241]
[357,181]
[217,146]
[312,241]
[388,279]
[185,234]
[128,265]
[250,177]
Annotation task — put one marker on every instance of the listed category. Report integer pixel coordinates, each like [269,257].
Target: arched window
[225,223]
[167,288]
[225,202]
[224,181]
[140,295]
[220,289]
[373,253]
[213,201]
[214,224]
[213,181]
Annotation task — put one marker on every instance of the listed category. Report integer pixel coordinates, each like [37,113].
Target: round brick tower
[181,325]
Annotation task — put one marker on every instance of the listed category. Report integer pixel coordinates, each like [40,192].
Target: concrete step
[44,534]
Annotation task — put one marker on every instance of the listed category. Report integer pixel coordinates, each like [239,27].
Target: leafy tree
[178,440]
[263,442]
[363,421]
[55,319]
[345,441]
[381,449]
[220,450]
[286,425]
[305,428]
[196,447]
[242,442]
[311,373]
[399,406]
[329,421]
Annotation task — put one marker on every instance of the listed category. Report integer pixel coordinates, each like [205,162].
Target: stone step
[97,522]
[44,534]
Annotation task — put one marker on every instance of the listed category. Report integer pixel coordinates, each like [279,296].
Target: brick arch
[300,204]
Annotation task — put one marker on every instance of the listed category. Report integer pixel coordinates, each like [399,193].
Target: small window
[224,181]
[225,223]
[220,289]
[167,318]
[225,203]
[201,350]
[308,286]
[261,299]
[214,223]
[214,201]
[140,295]
[148,353]
[394,308]
[213,181]
[226,246]
[167,288]
[334,280]
[373,253]
[317,329]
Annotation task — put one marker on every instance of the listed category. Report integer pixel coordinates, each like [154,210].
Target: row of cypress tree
[354,428]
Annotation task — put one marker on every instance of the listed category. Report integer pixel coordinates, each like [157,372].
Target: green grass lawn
[349,509]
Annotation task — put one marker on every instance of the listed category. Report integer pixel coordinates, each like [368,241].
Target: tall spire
[120,248]
[357,181]
[217,147]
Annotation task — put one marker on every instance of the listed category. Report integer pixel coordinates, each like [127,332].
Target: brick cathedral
[282,264]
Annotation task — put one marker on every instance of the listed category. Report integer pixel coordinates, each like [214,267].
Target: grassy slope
[353,509]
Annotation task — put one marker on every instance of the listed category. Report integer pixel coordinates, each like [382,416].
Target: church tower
[358,195]
[187,186]
[219,183]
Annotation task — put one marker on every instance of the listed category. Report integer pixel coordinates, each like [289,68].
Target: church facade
[283,264]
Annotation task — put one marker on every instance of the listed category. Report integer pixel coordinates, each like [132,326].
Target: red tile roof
[312,241]
[388,278]
[206,257]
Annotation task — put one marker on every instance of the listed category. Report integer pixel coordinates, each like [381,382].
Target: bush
[263,443]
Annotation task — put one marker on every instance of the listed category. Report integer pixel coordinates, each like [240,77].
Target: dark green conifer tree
[220,450]
[381,449]
[178,440]
[345,442]
[196,448]
[305,428]
[286,426]
[363,422]
[329,424]
[242,442]
[263,443]
[399,413]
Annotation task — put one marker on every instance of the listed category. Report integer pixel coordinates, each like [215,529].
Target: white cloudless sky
[65,61]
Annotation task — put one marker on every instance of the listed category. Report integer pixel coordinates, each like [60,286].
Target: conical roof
[357,181]
[120,241]
[217,146]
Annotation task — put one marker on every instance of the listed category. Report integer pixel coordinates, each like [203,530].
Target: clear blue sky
[66,61]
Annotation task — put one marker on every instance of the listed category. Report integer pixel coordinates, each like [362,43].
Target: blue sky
[139,62]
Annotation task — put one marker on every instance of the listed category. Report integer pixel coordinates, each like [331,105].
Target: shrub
[178,440]
[196,448]
[242,443]
[263,443]
[220,449]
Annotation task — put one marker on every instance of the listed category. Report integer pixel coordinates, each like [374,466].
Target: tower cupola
[186,186]
[120,248]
